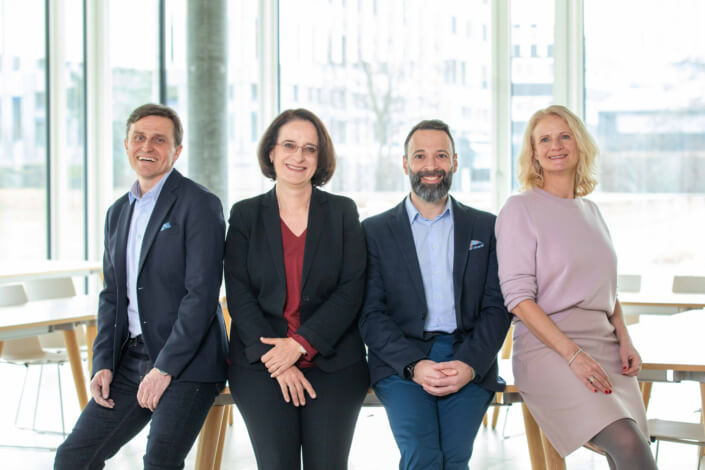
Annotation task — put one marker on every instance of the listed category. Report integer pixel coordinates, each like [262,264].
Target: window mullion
[501,100]
[569,82]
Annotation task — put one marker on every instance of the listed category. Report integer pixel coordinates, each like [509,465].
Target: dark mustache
[438,172]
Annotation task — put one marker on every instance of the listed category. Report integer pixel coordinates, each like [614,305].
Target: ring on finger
[591,379]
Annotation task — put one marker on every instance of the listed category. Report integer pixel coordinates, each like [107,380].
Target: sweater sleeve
[516,253]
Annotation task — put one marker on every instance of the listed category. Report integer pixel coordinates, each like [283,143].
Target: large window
[243,92]
[371,70]
[23,131]
[244,101]
[532,32]
[134,56]
[69,129]
[645,104]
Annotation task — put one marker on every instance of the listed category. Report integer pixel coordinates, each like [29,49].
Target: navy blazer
[395,308]
[180,271]
[332,283]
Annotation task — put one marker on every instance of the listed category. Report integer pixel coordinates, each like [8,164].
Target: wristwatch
[409,370]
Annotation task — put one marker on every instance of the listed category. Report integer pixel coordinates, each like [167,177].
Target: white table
[44,316]
[19,271]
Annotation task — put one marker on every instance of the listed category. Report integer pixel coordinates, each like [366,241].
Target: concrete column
[207,79]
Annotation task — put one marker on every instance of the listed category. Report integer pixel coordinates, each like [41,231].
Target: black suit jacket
[332,284]
[178,284]
[395,308]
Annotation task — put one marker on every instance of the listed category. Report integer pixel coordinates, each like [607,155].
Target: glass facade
[370,70]
[134,63]
[532,25]
[645,105]
[69,134]
[23,131]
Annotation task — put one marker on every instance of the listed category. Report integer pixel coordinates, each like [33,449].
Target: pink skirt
[566,410]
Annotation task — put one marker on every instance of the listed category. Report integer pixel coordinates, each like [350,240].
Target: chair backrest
[53,288]
[628,283]
[17,350]
[688,285]
[13,294]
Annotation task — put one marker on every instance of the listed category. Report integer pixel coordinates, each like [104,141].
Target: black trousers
[100,432]
[321,431]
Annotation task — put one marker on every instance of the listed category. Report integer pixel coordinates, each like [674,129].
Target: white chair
[28,351]
[54,288]
[688,285]
[629,283]
[678,431]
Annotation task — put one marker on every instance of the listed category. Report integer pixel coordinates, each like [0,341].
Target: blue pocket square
[475,244]
[166,226]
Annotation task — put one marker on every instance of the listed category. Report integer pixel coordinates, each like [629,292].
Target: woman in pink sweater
[574,363]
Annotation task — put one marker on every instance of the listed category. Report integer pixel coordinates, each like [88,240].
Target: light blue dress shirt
[144,206]
[434,249]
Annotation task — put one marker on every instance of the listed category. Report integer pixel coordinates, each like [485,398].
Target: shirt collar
[135,194]
[413,212]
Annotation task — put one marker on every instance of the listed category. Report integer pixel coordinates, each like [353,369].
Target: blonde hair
[531,173]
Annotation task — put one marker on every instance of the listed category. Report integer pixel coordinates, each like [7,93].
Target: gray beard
[431,193]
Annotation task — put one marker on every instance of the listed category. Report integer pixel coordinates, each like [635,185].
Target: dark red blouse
[293,266]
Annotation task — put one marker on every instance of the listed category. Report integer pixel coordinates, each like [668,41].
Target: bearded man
[433,316]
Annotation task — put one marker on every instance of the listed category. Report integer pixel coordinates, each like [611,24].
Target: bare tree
[381,102]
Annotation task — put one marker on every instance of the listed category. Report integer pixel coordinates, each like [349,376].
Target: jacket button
[305,298]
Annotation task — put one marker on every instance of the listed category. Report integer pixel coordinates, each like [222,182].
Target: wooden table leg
[221,438]
[533,438]
[91,331]
[646,393]
[76,366]
[702,411]
[208,439]
[1,344]
[554,461]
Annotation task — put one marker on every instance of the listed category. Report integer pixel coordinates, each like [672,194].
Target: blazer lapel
[272,228]
[166,199]
[401,231]
[120,248]
[317,218]
[462,234]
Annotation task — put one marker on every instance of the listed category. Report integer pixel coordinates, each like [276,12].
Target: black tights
[625,446]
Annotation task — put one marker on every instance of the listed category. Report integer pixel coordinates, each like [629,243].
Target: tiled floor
[373,446]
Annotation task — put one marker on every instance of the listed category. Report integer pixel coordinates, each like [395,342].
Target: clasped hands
[279,362]
[442,378]
[149,392]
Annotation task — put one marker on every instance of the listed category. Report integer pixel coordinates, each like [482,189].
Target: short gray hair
[151,109]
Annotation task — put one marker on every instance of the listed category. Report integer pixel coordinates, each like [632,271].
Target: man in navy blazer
[161,348]
[433,316]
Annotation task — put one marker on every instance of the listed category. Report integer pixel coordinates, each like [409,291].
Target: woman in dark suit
[294,274]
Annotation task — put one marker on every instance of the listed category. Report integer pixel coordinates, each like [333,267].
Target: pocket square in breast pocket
[166,226]
[475,244]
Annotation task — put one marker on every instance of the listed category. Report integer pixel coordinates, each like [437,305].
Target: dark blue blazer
[180,271]
[395,308]
[332,281]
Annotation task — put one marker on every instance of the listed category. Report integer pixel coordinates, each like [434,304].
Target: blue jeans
[100,432]
[433,433]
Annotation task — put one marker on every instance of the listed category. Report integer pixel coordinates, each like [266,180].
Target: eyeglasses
[290,147]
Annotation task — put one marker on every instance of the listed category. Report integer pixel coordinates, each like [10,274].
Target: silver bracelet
[575,355]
